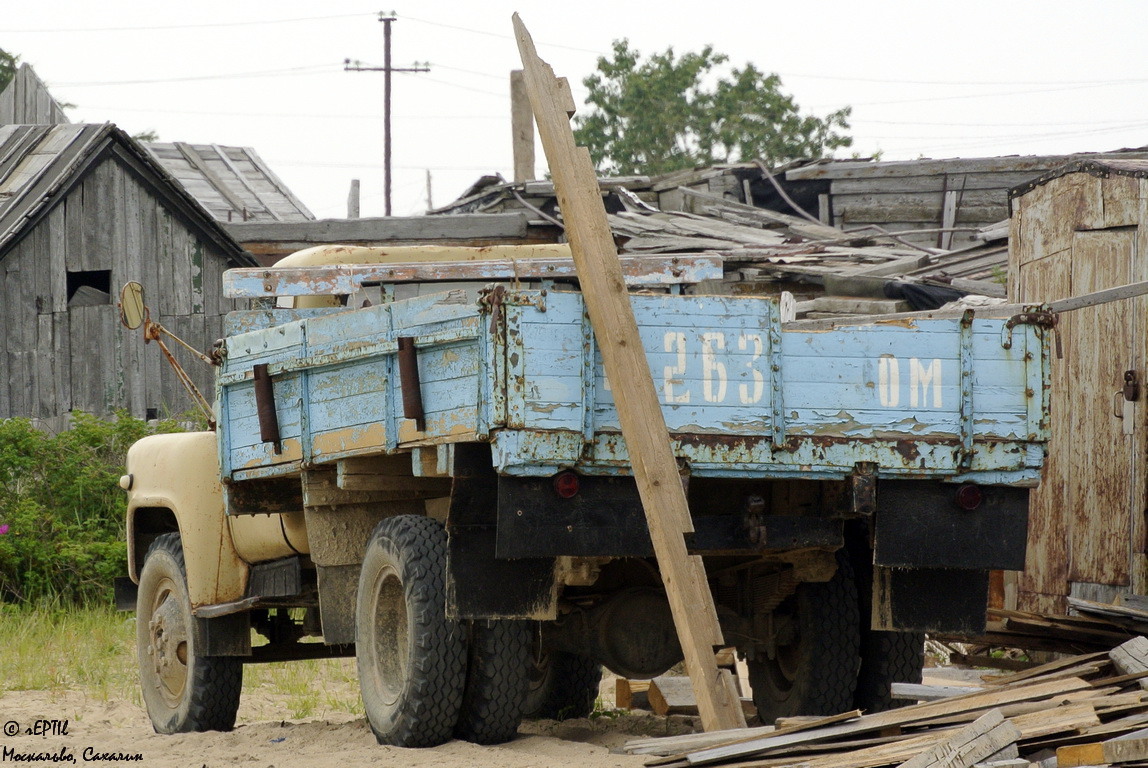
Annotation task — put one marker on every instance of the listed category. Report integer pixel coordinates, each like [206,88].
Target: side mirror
[132,309]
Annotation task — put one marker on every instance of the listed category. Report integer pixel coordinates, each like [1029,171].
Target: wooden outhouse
[1077,230]
[84,209]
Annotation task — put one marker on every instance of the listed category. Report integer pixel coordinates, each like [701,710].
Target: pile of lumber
[1083,710]
[1128,611]
[1060,634]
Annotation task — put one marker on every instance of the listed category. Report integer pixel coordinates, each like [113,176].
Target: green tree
[669,112]
[8,63]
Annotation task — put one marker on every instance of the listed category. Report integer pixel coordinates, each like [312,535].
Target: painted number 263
[714,372]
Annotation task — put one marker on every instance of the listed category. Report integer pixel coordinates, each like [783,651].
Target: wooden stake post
[643,426]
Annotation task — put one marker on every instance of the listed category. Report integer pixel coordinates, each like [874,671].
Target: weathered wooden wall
[1073,235]
[908,195]
[58,358]
[26,101]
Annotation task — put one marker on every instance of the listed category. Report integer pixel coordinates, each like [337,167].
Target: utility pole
[386,69]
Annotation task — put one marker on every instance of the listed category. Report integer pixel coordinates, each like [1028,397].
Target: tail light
[567,485]
[969,497]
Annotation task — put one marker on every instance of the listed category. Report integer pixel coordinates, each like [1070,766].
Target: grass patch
[93,651]
[50,648]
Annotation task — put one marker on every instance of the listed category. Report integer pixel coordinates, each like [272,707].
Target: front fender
[180,472]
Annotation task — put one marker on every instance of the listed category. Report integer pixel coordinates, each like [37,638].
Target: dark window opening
[90,289]
[152,414]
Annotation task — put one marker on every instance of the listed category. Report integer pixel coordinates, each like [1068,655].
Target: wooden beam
[382,230]
[1122,749]
[521,128]
[628,371]
[339,279]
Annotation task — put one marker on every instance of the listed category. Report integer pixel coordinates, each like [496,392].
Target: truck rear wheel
[495,693]
[561,685]
[183,690]
[814,668]
[887,658]
[411,659]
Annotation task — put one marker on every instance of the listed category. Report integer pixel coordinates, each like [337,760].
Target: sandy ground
[333,741]
[98,728]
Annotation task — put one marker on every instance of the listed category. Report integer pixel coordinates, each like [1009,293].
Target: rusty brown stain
[898,322]
[908,450]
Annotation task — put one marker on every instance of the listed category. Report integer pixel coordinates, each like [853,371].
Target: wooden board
[644,429]
[1046,564]
[1097,352]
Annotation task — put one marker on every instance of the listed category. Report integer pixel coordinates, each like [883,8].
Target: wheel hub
[168,647]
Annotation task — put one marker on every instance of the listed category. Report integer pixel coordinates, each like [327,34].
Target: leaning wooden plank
[1052,666]
[628,371]
[1030,726]
[897,717]
[1123,725]
[673,745]
[1013,762]
[985,736]
[918,692]
[1121,749]
[1131,658]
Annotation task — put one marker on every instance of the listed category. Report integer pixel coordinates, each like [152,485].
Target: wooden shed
[84,209]
[1079,229]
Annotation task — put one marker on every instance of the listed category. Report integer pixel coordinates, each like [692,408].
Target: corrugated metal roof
[233,183]
[26,101]
[40,163]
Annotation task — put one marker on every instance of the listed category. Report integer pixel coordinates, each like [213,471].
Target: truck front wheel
[411,659]
[183,690]
[816,652]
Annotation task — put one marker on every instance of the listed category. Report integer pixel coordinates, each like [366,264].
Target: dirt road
[117,733]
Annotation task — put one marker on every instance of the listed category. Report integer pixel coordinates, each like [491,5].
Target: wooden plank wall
[26,101]
[1073,235]
[57,359]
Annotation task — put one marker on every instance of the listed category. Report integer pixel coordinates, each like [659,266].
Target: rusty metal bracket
[966,361]
[265,407]
[409,379]
[863,483]
[490,300]
[1042,318]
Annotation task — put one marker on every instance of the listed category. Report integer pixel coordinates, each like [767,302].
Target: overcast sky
[925,79]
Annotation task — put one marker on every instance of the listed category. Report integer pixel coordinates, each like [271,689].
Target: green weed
[61,509]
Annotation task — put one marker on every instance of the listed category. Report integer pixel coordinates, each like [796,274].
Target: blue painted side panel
[741,395]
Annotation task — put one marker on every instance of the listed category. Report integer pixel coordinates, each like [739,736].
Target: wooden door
[1101,347]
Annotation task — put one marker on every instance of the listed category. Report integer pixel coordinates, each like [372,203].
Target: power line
[960,82]
[291,115]
[386,69]
[206,25]
[313,69]
[974,95]
[501,36]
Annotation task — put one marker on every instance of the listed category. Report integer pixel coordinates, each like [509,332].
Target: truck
[416,460]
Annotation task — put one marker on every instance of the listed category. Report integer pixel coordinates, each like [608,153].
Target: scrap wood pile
[1082,710]
[1062,634]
